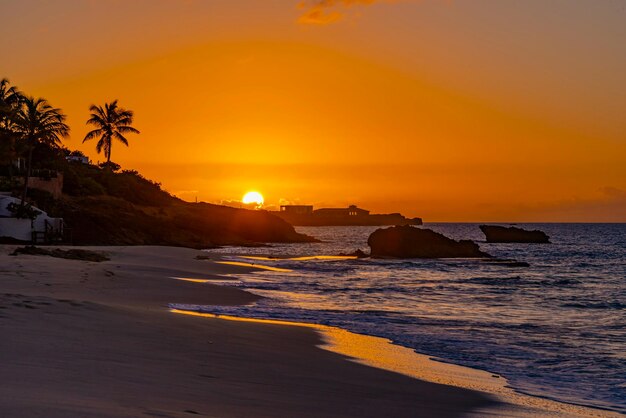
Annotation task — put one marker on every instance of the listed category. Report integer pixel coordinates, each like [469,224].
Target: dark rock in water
[410,242]
[358,254]
[502,234]
[516,264]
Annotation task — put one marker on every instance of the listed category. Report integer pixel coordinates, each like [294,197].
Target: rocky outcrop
[106,220]
[410,242]
[357,253]
[501,234]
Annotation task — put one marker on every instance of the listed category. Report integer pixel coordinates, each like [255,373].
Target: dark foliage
[90,180]
[23,211]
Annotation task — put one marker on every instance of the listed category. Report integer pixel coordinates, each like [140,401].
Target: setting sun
[253,198]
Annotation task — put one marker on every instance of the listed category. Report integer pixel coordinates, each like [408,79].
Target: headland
[306,215]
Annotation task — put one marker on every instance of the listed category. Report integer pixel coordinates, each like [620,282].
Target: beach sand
[87,339]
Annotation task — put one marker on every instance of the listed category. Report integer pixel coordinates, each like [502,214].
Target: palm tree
[10,99]
[111,122]
[37,122]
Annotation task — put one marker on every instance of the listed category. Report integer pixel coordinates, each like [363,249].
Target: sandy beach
[88,339]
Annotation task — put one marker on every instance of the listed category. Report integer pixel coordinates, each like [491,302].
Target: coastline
[383,354]
[97,339]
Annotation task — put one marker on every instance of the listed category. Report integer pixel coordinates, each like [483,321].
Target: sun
[255,198]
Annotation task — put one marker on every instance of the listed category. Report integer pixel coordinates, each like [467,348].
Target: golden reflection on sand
[216,281]
[191,280]
[383,354]
[252,265]
[304,258]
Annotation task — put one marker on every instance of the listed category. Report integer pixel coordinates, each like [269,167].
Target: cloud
[613,193]
[324,12]
[283,201]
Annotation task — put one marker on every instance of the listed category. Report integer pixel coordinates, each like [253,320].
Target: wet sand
[86,339]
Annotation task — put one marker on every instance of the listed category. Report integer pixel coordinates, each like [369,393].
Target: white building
[42,228]
[78,159]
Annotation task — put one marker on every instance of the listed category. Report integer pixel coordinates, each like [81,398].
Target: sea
[555,329]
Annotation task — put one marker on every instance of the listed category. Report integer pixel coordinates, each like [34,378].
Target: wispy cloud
[324,12]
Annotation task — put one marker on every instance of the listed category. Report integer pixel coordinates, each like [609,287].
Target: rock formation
[502,234]
[410,242]
[357,253]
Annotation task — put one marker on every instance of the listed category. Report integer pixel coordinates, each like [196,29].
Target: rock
[502,234]
[410,242]
[72,254]
[357,253]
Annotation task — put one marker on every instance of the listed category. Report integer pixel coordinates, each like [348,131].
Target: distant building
[296,209]
[49,181]
[304,215]
[78,159]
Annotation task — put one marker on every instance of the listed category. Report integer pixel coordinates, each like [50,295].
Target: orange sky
[467,110]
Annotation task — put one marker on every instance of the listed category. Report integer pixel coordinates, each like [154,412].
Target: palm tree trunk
[11,171]
[12,156]
[28,166]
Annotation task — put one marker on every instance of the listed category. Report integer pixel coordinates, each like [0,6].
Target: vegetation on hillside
[37,123]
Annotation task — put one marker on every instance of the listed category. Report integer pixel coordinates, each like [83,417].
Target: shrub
[25,211]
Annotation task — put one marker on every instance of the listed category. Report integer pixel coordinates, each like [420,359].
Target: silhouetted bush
[78,180]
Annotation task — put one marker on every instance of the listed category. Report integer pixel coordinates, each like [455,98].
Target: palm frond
[127,129]
[120,138]
[36,121]
[92,134]
[100,144]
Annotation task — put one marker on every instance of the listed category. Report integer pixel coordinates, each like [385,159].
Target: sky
[452,110]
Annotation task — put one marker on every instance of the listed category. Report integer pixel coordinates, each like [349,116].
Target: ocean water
[556,329]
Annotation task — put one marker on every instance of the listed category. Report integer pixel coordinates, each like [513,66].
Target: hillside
[108,220]
[105,206]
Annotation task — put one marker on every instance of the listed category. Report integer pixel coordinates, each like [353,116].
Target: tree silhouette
[111,122]
[36,122]
[10,99]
